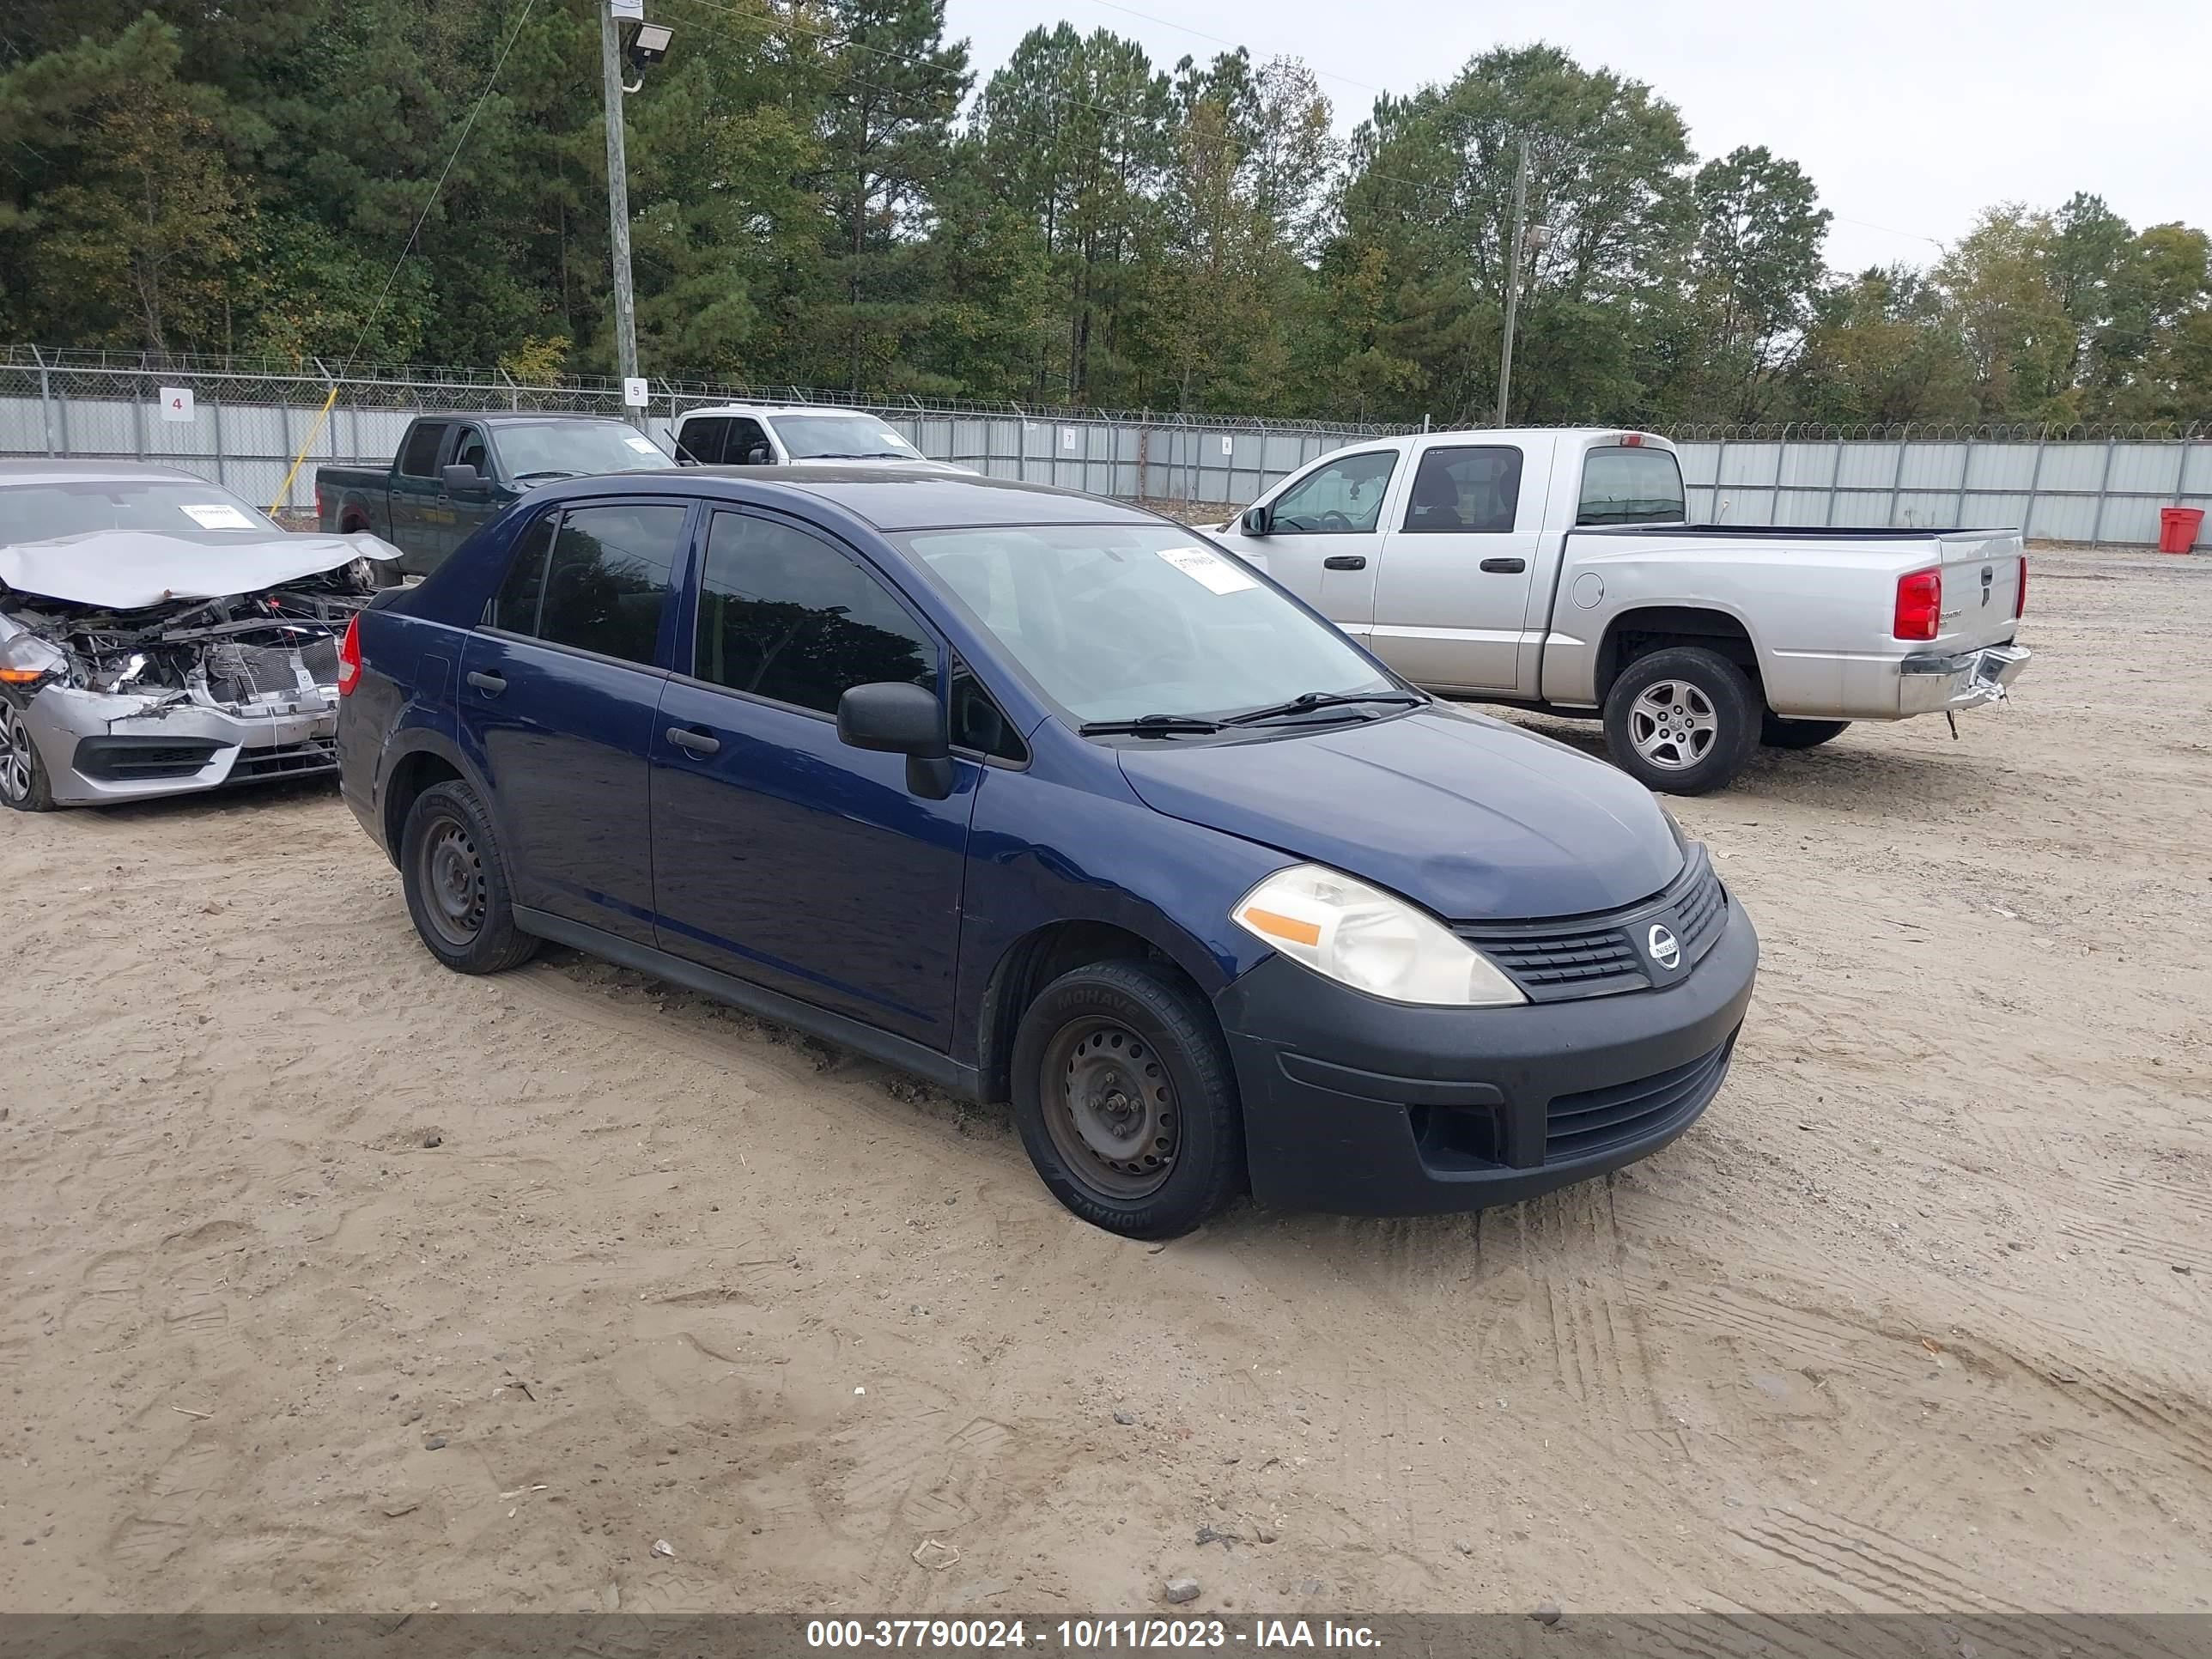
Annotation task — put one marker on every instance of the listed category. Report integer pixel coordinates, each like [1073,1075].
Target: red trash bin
[2178,527]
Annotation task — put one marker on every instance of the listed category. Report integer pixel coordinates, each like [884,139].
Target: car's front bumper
[101,749]
[1362,1107]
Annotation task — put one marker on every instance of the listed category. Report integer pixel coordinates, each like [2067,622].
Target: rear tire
[23,782]
[1777,732]
[456,882]
[1682,720]
[1127,1101]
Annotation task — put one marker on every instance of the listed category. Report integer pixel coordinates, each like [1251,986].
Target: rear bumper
[1364,1107]
[1930,684]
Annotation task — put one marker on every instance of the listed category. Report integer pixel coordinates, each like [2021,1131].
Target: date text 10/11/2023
[1085,1635]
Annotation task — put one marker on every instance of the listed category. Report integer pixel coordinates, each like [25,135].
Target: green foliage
[815,198]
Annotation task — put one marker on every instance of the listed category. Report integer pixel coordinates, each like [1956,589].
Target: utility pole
[618,200]
[1512,280]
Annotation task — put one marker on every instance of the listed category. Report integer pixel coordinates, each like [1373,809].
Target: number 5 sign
[177,404]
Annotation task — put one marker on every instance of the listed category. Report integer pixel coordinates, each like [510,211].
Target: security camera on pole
[624,32]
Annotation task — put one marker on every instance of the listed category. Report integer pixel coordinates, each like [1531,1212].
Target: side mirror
[464,481]
[1256,520]
[759,455]
[896,717]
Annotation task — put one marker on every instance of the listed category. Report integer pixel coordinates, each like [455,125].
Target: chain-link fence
[241,425]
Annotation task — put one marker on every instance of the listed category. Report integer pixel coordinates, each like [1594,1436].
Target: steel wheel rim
[16,757]
[450,874]
[1672,724]
[1110,1107]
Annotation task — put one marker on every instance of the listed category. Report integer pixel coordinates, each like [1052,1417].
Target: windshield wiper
[546,472]
[859,455]
[1311,700]
[1148,726]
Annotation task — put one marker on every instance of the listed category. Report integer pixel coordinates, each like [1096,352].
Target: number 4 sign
[177,404]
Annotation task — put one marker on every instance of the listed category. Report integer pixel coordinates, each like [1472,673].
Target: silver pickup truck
[1556,570]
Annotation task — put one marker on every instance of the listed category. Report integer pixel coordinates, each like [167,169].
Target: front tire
[1682,720]
[23,782]
[456,882]
[1127,1101]
[1776,732]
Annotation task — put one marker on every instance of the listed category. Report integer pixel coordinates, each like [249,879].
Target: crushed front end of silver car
[102,705]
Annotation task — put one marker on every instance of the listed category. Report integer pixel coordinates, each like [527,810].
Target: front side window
[843,436]
[1117,622]
[785,615]
[470,452]
[1625,484]
[607,581]
[1472,489]
[1343,498]
[747,438]
[420,459]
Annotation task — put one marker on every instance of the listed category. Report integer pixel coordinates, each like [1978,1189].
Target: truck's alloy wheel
[1682,720]
[22,775]
[1126,1100]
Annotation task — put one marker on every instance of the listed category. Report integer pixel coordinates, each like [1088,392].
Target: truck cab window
[702,440]
[1343,498]
[470,451]
[1626,485]
[420,459]
[1472,489]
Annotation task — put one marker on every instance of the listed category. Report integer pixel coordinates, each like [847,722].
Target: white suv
[794,435]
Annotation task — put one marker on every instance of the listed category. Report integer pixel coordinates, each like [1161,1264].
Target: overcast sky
[1910,115]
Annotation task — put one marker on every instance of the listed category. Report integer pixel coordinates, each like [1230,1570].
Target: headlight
[1370,939]
[25,660]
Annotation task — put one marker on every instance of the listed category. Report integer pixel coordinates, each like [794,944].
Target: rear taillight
[1919,605]
[350,657]
[2020,599]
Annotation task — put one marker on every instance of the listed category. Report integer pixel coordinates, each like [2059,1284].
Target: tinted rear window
[1472,489]
[608,579]
[514,607]
[1631,486]
[420,459]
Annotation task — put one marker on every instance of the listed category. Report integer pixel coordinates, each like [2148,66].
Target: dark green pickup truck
[454,472]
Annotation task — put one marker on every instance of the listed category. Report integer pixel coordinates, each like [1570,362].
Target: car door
[1451,597]
[414,491]
[780,855]
[559,689]
[1325,536]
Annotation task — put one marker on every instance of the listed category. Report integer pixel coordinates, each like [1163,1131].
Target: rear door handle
[1346,562]
[489,684]
[697,743]
[1505,567]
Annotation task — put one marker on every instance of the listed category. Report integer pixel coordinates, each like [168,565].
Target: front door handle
[1346,562]
[697,743]
[490,684]
[1505,567]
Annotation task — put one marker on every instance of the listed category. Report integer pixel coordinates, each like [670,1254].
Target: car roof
[58,471]
[883,499]
[509,416]
[774,409]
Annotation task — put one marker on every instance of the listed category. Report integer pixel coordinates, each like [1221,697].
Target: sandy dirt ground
[334,1281]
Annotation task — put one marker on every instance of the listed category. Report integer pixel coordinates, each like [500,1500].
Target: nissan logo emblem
[1662,944]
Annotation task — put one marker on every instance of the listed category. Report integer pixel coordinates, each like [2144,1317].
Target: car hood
[1468,817]
[133,569]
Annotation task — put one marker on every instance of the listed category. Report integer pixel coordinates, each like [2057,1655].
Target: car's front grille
[1599,954]
[298,759]
[1577,1124]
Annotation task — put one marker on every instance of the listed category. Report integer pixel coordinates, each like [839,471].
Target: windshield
[42,511]
[841,437]
[1119,622]
[575,449]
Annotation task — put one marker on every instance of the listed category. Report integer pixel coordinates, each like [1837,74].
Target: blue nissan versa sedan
[1046,797]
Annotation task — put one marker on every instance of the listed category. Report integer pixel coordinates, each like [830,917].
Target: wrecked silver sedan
[159,637]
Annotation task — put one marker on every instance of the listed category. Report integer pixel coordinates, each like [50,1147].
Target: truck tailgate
[1981,589]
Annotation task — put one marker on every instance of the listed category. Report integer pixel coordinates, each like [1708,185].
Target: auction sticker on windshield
[1209,570]
[217,515]
[643,446]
